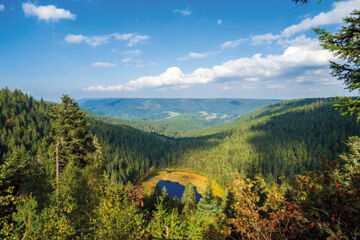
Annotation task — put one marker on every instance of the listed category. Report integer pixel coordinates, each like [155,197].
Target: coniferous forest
[289,170]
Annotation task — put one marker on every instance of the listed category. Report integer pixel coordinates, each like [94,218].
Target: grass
[180,176]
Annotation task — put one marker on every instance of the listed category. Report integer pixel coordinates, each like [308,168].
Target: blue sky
[163,48]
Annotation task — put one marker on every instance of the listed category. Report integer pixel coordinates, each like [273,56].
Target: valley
[205,172]
[172,120]
[172,117]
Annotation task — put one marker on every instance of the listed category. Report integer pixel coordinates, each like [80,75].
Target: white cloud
[185,12]
[133,52]
[335,16]
[301,40]
[71,38]
[295,59]
[2,7]
[194,55]
[124,36]
[137,39]
[103,64]
[198,55]
[47,13]
[94,41]
[252,79]
[233,43]
[219,22]
[264,38]
[126,60]
[275,86]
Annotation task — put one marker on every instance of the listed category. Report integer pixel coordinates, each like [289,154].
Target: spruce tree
[345,44]
[226,204]
[188,198]
[69,130]
[164,194]
[208,205]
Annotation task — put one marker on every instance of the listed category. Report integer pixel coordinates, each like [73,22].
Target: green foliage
[188,198]
[170,117]
[119,215]
[7,207]
[169,224]
[345,45]
[262,212]
[227,201]
[28,220]
[68,128]
[129,153]
[208,204]
[90,202]
[57,222]
[330,200]
[283,139]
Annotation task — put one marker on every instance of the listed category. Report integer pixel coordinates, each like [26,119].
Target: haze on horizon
[168,49]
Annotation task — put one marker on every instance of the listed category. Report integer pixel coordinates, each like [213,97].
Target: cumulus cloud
[295,60]
[194,55]
[301,40]
[47,13]
[185,12]
[103,64]
[94,41]
[335,16]
[2,7]
[264,38]
[233,43]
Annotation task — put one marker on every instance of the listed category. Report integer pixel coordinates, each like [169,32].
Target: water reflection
[176,189]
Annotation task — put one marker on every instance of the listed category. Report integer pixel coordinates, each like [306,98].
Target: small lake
[176,189]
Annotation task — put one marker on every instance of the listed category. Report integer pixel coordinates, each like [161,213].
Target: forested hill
[171,117]
[25,131]
[218,110]
[87,197]
[279,140]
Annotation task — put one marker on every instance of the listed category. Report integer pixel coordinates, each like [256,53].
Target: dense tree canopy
[345,44]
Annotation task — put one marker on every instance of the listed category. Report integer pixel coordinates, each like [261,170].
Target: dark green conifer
[188,198]
[208,205]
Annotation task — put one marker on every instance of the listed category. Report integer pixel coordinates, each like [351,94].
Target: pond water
[176,189]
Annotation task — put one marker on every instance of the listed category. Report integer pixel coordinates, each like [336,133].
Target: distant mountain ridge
[213,110]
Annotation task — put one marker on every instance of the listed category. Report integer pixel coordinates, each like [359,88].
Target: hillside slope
[25,131]
[279,140]
[171,117]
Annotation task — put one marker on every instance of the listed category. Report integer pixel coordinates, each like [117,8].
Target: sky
[169,48]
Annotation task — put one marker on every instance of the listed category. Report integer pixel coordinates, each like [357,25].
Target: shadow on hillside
[295,141]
